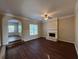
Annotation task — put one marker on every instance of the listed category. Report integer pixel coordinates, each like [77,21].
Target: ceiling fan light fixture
[46,17]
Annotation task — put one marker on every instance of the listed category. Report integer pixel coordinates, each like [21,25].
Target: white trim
[76,48]
[62,17]
[66,41]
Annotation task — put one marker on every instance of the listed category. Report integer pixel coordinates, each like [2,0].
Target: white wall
[67,29]
[5,29]
[76,26]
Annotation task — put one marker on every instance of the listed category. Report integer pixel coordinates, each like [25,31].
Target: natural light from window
[33,29]
[11,28]
[19,28]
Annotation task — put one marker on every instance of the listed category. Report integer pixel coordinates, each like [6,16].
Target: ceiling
[35,8]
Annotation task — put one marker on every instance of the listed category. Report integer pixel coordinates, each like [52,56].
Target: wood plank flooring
[42,49]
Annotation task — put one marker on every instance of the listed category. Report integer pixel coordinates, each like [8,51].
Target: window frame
[9,28]
[33,33]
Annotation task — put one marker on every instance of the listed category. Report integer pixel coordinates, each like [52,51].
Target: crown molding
[68,16]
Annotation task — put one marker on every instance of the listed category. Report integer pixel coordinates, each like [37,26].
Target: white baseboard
[66,41]
[76,48]
[29,40]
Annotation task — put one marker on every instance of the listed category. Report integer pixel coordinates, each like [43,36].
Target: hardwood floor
[42,49]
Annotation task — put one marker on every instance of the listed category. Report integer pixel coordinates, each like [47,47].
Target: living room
[38,29]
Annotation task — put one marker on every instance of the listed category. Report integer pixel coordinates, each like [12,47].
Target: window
[33,29]
[19,28]
[11,28]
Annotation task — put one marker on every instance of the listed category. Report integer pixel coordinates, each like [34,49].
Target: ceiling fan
[46,16]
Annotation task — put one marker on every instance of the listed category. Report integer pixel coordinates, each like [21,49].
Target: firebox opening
[52,34]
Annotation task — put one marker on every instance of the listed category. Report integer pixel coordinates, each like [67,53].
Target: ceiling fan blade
[50,17]
[50,14]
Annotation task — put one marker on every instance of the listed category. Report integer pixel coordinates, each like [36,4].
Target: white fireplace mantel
[52,27]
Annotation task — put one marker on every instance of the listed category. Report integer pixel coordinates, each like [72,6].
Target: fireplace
[52,34]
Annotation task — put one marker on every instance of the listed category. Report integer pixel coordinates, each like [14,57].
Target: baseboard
[76,48]
[34,39]
[66,41]
[29,40]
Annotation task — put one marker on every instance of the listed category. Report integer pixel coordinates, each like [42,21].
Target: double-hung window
[11,28]
[33,29]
